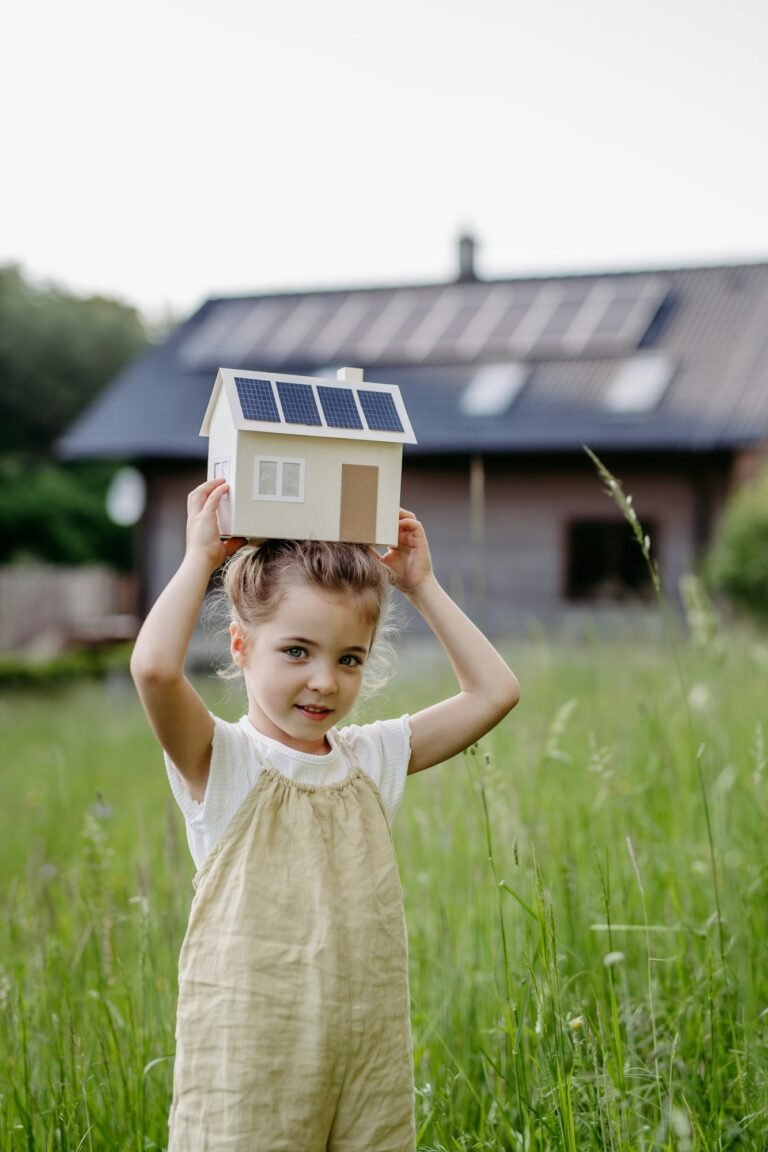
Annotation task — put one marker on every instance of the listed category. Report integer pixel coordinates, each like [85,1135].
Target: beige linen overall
[293,1031]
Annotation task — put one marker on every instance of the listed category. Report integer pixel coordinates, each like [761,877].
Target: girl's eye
[350,661]
[295,653]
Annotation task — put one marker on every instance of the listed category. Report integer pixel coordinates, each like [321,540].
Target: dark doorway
[605,561]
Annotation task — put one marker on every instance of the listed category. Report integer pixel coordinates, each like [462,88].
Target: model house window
[278,478]
[605,561]
[221,468]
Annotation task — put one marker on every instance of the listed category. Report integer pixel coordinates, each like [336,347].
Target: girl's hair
[256,578]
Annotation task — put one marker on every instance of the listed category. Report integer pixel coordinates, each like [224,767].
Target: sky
[165,151]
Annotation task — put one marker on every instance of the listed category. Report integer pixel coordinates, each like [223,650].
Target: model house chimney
[467,247]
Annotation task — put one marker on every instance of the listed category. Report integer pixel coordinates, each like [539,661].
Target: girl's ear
[237,644]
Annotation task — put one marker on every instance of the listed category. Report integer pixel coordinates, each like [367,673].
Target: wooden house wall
[163,528]
[506,561]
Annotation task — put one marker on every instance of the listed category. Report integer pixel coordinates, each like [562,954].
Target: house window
[221,468]
[605,561]
[278,478]
[639,384]
[493,389]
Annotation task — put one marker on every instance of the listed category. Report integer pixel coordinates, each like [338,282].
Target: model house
[307,458]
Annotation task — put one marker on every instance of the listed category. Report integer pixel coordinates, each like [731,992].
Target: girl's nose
[322,679]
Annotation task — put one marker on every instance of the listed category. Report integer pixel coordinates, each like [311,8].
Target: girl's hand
[409,560]
[203,536]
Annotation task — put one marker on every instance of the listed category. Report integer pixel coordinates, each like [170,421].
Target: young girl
[293,1030]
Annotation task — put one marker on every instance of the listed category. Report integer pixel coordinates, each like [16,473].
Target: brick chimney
[467,246]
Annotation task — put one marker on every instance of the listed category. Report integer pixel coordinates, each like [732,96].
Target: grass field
[587,902]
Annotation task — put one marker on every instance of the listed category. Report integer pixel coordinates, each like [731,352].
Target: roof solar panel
[615,317]
[563,316]
[298,403]
[256,399]
[626,312]
[508,320]
[380,411]
[339,407]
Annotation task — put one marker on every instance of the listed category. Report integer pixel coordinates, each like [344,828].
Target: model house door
[359,497]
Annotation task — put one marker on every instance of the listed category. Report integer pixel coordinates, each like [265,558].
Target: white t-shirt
[240,752]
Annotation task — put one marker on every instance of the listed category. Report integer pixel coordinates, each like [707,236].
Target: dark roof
[571,335]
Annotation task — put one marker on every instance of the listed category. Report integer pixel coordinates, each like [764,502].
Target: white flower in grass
[611,959]
[5,989]
[699,698]
[681,1126]
[759,653]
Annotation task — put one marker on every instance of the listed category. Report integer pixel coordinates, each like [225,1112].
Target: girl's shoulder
[234,767]
[381,739]
[382,751]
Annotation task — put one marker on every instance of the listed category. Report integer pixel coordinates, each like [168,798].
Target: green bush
[57,352]
[57,514]
[738,563]
[20,672]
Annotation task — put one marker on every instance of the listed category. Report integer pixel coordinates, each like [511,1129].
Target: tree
[57,351]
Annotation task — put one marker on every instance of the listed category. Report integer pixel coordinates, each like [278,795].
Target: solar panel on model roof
[380,411]
[339,407]
[256,399]
[298,403]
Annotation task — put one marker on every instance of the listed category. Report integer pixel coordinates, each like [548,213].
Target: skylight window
[639,384]
[492,389]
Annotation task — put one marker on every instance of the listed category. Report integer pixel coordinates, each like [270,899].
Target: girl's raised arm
[488,687]
[177,714]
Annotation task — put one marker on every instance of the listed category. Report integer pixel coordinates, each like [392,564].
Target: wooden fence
[50,608]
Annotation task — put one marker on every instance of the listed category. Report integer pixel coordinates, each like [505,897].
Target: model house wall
[222,451]
[316,512]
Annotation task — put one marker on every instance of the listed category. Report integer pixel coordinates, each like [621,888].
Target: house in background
[664,374]
[307,458]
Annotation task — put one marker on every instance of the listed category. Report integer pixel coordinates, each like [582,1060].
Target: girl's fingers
[208,486]
[216,495]
[212,487]
[233,544]
[199,497]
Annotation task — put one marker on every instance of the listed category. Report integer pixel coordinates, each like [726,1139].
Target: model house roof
[311,406]
[672,359]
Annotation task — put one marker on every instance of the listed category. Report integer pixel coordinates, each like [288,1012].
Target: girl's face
[304,667]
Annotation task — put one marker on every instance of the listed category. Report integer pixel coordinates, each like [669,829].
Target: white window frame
[221,468]
[279,461]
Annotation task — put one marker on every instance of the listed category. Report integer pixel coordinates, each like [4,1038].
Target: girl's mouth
[312,712]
